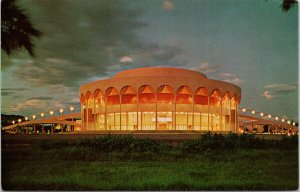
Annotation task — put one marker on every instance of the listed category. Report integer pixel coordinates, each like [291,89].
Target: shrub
[109,143]
[218,142]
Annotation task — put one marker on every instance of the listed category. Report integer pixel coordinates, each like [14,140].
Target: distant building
[159,98]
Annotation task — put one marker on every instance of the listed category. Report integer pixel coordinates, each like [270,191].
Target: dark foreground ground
[144,165]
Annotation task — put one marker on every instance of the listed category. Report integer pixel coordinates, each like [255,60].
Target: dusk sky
[250,43]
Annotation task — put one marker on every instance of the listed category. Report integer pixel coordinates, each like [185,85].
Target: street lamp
[51,113]
[72,109]
[276,118]
[61,112]
[13,122]
[244,110]
[19,120]
[33,118]
[42,115]
[270,116]
[26,119]
[294,123]
[289,122]
[261,114]
[282,120]
[253,112]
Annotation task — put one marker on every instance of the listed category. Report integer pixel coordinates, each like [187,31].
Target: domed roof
[159,71]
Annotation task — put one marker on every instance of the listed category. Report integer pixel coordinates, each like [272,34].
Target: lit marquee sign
[163,119]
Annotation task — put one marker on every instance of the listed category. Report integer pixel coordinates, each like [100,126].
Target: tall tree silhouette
[16,28]
[287,4]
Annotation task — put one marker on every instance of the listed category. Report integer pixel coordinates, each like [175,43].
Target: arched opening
[184,108]
[201,96]
[113,105]
[112,96]
[226,111]
[88,111]
[82,99]
[215,110]
[128,108]
[82,105]
[146,94]
[99,109]
[165,107]
[201,109]
[147,107]
[233,113]
[128,95]
[165,94]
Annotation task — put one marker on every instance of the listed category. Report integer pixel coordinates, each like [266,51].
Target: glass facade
[165,109]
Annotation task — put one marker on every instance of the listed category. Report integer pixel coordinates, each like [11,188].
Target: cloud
[234,80]
[12,92]
[284,88]
[30,103]
[231,78]
[268,96]
[168,5]
[227,75]
[41,98]
[207,68]
[87,41]
[279,90]
[126,59]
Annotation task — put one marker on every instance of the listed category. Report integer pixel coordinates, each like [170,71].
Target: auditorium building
[159,98]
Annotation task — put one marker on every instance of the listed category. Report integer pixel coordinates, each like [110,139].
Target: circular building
[159,98]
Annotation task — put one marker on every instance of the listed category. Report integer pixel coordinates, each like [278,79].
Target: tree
[287,4]
[16,29]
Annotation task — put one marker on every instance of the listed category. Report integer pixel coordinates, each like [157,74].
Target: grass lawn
[85,169]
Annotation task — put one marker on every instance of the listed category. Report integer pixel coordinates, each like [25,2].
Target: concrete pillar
[208,114]
[120,100]
[137,112]
[193,117]
[175,126]
[156,118]
[261,129]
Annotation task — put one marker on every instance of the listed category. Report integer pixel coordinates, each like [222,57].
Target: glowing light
[253,112]
[294,123]
[19,120]
[42,115]
[270,116]
[126,59]
[26,118]
[282,120]
[51,113]
[244,110]
[33,117]
[276,118]
[163,119]
[261,114]
[289,122]
[71,108]
[61,111]
[13,122]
